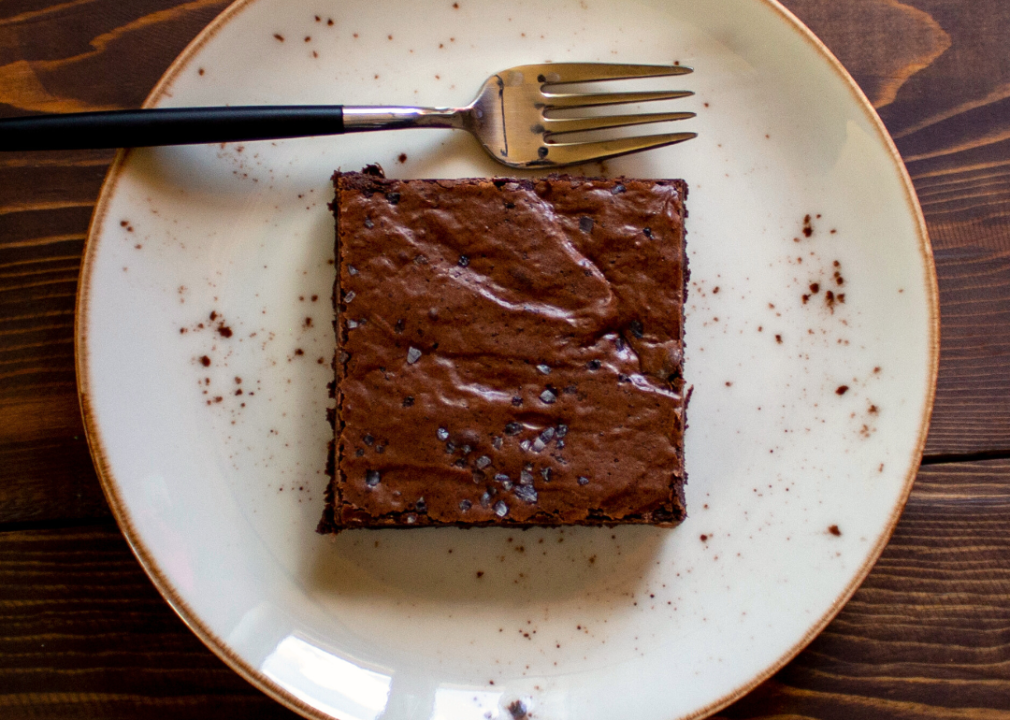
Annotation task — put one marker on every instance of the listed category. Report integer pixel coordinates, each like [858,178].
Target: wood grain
[891,42]
[86,635]
[59,57]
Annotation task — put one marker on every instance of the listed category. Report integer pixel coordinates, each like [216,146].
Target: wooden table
[83,632]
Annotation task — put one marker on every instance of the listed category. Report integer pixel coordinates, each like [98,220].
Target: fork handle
[187,126]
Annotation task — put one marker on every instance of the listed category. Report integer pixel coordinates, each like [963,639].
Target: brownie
[509,352]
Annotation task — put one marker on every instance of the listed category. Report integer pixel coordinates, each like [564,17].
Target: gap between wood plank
[943,458]
[58,524]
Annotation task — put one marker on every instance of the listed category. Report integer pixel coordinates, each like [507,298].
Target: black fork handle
[168,126]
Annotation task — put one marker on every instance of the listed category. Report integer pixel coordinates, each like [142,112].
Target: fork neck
[363,119]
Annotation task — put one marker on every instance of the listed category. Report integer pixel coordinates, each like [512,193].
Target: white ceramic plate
[204,343]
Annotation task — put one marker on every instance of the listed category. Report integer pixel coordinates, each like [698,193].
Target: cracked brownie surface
[509,352]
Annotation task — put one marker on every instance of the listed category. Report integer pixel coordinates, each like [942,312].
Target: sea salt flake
[526,493]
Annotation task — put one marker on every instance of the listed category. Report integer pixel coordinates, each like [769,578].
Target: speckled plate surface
[204,344]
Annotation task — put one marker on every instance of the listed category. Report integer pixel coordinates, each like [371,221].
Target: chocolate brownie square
[509,352]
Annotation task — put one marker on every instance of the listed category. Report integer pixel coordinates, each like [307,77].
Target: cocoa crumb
[833,529]
[841,389]
[516,708]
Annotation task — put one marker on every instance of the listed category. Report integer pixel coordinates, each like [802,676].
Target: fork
[514,117]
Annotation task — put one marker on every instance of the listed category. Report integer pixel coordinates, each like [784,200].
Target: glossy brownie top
[509,352]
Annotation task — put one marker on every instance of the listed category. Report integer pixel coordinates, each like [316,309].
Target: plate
[204,343]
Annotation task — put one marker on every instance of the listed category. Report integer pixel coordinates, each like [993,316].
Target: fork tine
[621,98]
[593,72]
[608,122]
[571,153]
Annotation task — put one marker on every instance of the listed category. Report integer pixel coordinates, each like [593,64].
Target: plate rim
[260,680]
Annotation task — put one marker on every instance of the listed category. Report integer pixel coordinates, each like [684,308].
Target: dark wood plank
[926,637]
[85,635]
[60,56]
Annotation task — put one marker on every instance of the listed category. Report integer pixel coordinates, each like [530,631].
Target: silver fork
[514,117]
